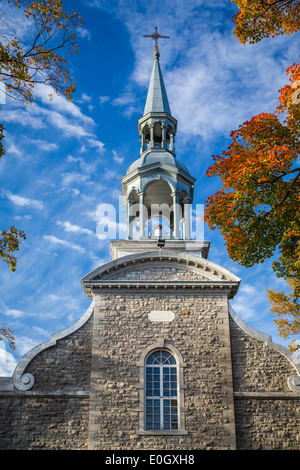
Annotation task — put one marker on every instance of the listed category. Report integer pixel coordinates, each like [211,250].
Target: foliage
[257,208]
[286,308]
[258,19]
[9,242]
[258,205]
[7,333]
[23,66]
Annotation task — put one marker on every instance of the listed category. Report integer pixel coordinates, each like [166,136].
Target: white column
[172,140]
[129,219]
[175,215]
[163,136]
[187,220]
[143,143]
[141,215]
[151,143]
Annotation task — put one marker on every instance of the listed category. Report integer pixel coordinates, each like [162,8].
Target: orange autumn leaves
[21,67]
[257,208]
[258,19]
[7,333]
[259,196]
[42,61]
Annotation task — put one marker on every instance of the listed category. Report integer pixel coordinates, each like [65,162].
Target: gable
[161,270]
[160,273]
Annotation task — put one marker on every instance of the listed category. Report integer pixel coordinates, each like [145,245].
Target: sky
[65,159]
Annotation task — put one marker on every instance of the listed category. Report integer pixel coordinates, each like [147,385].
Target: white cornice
[217,279]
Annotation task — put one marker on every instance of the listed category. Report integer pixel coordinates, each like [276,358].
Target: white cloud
[42,144]
[25,117]
[116,157]
[60,103]
[59,113]
[14,313]
[23,217]
[68,227]
[84,33]
[7,361]
[12,148]
[24,201]
[58,241]
[25,344]
[85,167]
[124,100]
[73,177]
[85,98]
[68,127]
[250,301]
[9,312]
[95,143]
[103,99]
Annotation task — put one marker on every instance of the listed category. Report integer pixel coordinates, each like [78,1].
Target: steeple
[157,127]
[158,188]
[157,100]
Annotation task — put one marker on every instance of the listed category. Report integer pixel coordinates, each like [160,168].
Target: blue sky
[64,159]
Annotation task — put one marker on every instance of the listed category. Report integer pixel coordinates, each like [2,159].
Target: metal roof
[157,100]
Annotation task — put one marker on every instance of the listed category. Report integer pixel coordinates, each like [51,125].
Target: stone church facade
[160,360]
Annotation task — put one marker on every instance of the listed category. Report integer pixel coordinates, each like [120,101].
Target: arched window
[161,391]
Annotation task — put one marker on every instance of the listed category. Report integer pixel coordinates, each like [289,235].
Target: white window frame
[161,397]
[162,344]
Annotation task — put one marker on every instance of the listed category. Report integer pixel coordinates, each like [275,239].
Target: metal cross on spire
[156,36]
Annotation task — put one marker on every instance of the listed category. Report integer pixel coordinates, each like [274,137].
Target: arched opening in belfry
[146,134]
[133,213]
[160,217]
[169,131]
[157,133]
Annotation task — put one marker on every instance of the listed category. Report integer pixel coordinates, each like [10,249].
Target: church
[159,361]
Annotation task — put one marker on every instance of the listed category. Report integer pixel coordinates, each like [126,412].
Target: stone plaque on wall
[161,315]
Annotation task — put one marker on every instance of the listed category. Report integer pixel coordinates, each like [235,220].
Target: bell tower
[158,189]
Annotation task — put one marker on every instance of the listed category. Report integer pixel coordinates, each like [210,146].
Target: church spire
[157,100]
[158,188]
[157,127]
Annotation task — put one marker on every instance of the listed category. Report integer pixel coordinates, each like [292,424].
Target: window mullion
[161,398]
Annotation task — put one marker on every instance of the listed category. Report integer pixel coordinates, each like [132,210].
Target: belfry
[160,360]
[158,188]
[157,185]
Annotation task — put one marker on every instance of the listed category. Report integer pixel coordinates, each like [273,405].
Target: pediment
[166,270]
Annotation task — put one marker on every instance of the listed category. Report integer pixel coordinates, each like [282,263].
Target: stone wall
[122,331]
[88,386]
[54,413]
[33,422]
[268,424]
[267,412]
[66,365]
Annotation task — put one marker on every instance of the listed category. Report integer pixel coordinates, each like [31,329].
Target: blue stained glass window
[161,404]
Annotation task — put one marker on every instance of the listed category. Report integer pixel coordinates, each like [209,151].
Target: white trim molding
[161,344]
